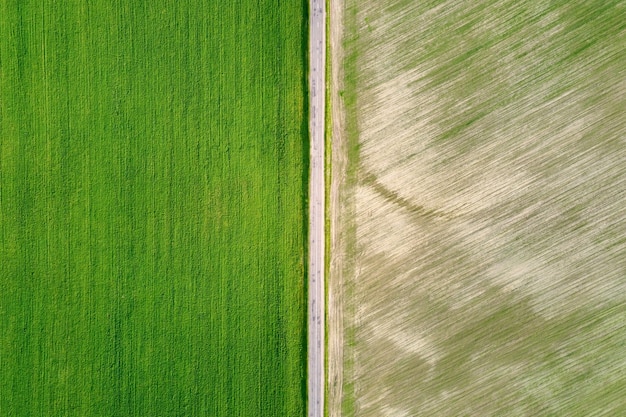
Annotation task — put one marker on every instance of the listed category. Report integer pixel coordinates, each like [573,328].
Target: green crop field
[153,160]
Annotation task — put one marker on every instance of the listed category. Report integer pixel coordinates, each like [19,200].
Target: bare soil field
[478,209]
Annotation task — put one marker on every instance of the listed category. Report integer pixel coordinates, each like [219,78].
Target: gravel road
[316,344]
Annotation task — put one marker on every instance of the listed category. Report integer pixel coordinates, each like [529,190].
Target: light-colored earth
[478,262]
[338,166]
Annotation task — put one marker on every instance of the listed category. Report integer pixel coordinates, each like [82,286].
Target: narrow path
[317,89]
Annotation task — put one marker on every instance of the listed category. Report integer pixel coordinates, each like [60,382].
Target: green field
[153,160]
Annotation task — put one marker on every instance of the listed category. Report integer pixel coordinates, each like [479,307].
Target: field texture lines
[484,216]
[153,182]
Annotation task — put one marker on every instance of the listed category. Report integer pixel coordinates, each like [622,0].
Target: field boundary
[317,192]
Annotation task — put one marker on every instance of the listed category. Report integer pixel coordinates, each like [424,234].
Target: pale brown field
[479,232]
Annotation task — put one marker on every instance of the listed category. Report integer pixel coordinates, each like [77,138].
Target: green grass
[153,180]
[328,130]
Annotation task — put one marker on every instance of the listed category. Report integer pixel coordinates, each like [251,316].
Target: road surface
[316,312]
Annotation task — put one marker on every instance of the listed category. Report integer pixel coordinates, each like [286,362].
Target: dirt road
[316,343]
